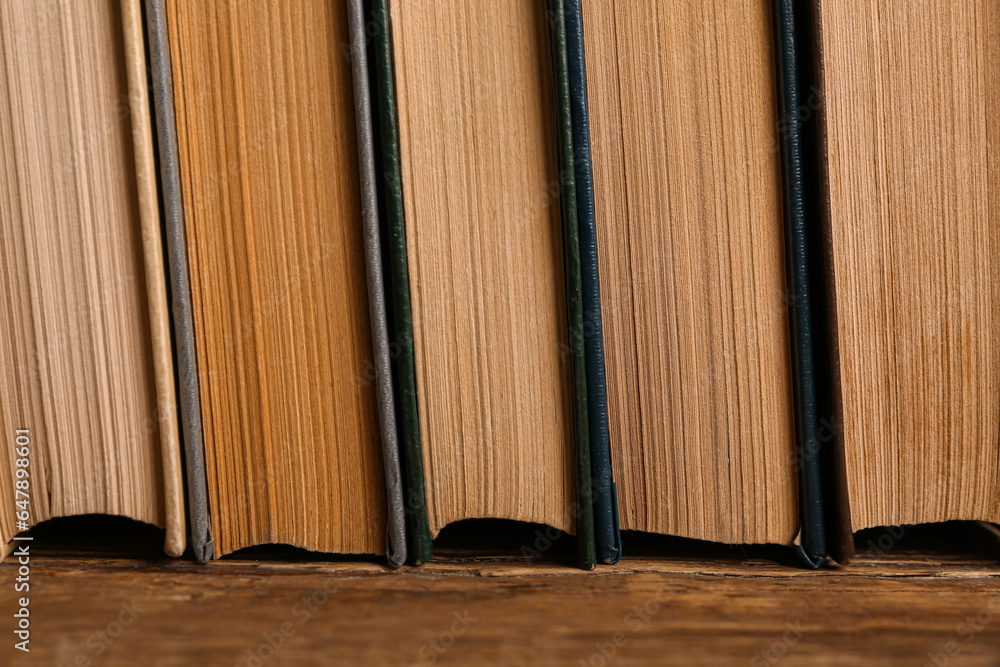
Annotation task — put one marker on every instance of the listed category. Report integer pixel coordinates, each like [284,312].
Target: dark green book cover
[607,539]
[574,287]
[420,547]
[391,204]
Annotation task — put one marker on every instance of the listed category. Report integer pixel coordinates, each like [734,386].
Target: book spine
[177,262]
[396,547]
[811,544]
[607,537]
[574,289]
[837,503]
[418,530]
[156,277]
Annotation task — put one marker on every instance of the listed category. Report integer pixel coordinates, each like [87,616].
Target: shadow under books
[488,540]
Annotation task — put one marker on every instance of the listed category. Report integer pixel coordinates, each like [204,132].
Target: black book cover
[803,299]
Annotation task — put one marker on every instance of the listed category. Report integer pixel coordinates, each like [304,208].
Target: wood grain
[690,248]
[268,161]
[480,183]
[895,609]
[912,113]
[76,367]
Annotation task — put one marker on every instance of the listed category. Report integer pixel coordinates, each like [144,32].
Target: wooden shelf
[886,608]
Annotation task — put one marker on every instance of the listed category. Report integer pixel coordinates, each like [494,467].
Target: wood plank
[884,609]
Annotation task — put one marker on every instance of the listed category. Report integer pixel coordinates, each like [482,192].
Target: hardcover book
[86,370]
[284,344]
[486,209]
[909,194]
[703,296]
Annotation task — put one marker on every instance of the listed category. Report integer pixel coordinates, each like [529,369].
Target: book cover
[399,290]
[180,286]
[607,538]
[575,302]
[156,275]
[396,546]
[420,547]
[811,544]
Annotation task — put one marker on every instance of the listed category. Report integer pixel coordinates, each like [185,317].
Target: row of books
[338,274]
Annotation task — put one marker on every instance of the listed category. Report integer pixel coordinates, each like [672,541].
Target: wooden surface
[723,606]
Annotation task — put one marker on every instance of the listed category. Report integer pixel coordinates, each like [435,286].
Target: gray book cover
[396,537]
[187,362]
[180,288]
